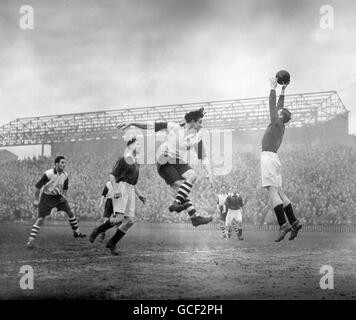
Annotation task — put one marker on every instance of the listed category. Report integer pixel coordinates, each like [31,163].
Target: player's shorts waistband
[270,154]
[52,195]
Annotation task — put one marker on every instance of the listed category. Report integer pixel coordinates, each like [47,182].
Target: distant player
[172,160]
[55,185]
[234,205]
[271,165]
[106,197]
[222,209]
[123,178]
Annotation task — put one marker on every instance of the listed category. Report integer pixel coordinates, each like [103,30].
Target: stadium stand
[319,160]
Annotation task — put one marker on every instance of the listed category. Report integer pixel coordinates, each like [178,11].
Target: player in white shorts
[123,178]
[271,165]
[222,209]
[234,205]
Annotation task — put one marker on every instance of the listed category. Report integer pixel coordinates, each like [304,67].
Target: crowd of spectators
[320,180]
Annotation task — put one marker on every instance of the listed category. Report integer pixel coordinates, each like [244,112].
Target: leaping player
[222,209]
[172,160]
[271,165]
[54,186]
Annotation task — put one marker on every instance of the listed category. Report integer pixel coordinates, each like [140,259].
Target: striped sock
[222,227]
[74,224]
[34,232]
[190,208]
[183,191]
[236,228]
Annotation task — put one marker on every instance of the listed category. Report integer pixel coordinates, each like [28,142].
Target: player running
[55,185]
[271,165]
[234,205]
[172,160]
[222,209]
[123,178]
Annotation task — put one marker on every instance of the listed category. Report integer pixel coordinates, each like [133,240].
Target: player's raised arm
[272,100]
[280,104]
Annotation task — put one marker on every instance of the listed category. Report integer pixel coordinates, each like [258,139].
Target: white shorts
[126,203]
[270,169]
[233,215]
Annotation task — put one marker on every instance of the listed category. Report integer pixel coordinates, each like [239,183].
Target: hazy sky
[93,55]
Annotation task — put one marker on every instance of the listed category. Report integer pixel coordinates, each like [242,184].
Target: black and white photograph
[177,150]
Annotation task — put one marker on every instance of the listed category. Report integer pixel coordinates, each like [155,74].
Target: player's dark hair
[194,115]
[58,159]
[133,140]
[287,114]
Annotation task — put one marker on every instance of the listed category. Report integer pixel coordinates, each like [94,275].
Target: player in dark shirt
[271,165]
[234,205]
[123,178]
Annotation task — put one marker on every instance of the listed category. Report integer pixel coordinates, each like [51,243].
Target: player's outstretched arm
[124,126]
[280,104]
[157,126]
[272,99]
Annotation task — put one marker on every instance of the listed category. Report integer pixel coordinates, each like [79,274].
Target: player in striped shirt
[173,160]
[54,186]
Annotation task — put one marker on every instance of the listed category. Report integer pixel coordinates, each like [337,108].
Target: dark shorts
[172,172]
[48,202]
[109,209]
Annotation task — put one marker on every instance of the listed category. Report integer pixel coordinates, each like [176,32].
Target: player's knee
[130,222]
[177,184]
[127,223]
[191,176]
[116,219]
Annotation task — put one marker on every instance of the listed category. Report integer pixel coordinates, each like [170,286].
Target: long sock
[190,208]
[183,191]
[117,236]
[34,232]
[105,226]
[240,233]
[74,224]
[290,214]
[280,214]
[236,229]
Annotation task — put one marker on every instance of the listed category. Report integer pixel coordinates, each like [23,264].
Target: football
[283,77]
